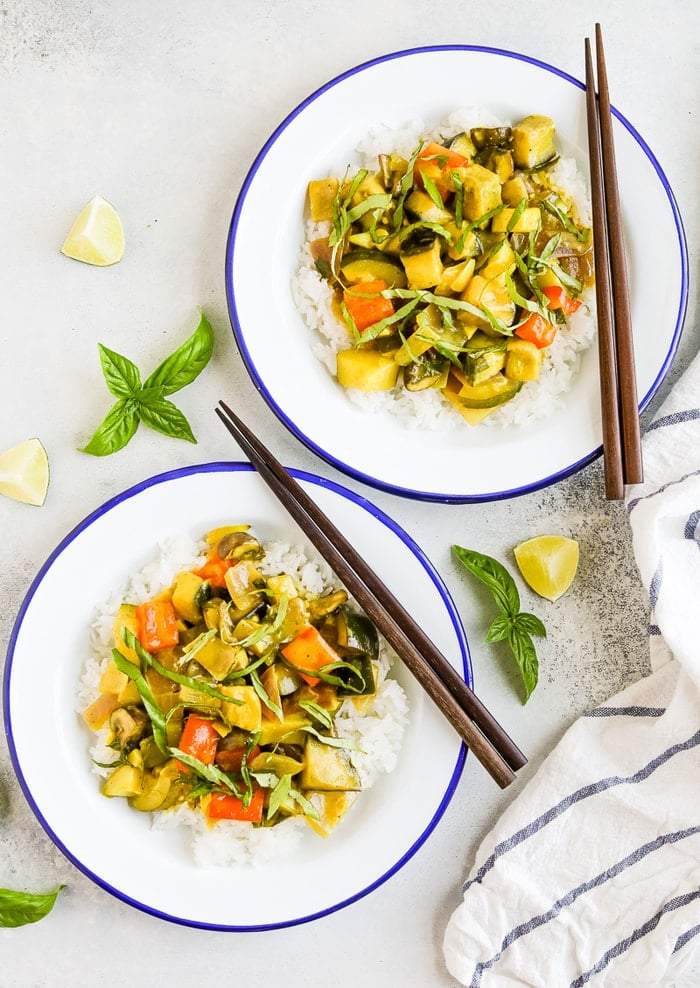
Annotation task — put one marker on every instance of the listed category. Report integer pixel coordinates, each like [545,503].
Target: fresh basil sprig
[511,624]
[21,908]
[147,402]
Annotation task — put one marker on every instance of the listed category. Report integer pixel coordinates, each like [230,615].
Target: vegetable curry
[223,691]
[454,269]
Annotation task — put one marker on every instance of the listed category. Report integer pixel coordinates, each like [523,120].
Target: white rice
[428,409]
[376,729]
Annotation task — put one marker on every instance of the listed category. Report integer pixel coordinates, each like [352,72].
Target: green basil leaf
[158,721]
[208,772]
[279,794]
[525,655]
[121,375]
[318,713]
[185,363]
[331,741]
[531,625]
[432,190]
[148,660]
[264,697]
[161,415]
[493,575]
[307,807]
[117,428]
[500,628]
[21,908]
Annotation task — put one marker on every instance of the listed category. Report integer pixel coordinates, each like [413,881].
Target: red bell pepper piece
[231,759]
[558,298]
[436,162]
[214,569]
[366,305]
[537,330]
[226,806]
[309,650]
[157,626]
[199,739]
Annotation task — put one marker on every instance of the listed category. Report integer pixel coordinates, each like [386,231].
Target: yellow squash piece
[367,370]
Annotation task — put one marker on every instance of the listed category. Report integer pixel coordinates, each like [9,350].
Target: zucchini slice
[365,264]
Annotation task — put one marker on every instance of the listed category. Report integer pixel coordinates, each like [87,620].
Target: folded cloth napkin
[592,875]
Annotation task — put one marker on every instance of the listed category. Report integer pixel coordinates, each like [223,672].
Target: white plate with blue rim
[115,845]
[466,463]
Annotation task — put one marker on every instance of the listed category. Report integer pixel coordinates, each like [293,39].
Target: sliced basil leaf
[551,206]
[154,712]
[161,415]
[531,624]
[525,655]
[148,660]
[117,428]
[331,741]
[121,375]
[493,575]
[511,624]
[279,794]
[208,772]
[432,190]
[517,213]
[499,628]
[317,712]
[185,363]
[21,908]
[264,697]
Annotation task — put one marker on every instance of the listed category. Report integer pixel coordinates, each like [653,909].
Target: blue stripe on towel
[641,931]
[631,859]
[635,711]
[691,527]
[675,418]
[585,792]
[655,585]
[686,937]
[631,505]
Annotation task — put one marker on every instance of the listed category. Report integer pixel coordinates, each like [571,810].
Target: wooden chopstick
[621,432]
[474,723]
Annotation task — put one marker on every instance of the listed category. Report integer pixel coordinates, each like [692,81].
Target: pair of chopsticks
[473,722]
[622,454]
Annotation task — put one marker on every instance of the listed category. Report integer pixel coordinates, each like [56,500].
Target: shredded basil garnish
[154,712]
[551,206]
[317,712]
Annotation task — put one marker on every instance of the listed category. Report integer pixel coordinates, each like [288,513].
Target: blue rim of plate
[235,467]
[334,460]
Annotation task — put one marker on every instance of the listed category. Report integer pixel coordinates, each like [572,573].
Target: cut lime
[548,564]
[24,472]
[97,236]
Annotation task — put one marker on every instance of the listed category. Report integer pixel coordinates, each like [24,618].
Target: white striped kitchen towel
[592,875]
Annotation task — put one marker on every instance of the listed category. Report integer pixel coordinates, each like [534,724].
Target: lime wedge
[24,472]
[548,564]
[97,236]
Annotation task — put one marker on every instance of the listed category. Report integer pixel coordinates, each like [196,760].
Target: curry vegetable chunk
[224,691]
[443,263]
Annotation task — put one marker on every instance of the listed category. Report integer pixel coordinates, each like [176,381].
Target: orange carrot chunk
[214,569]
[366,305]
[309,651]
[157,625]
